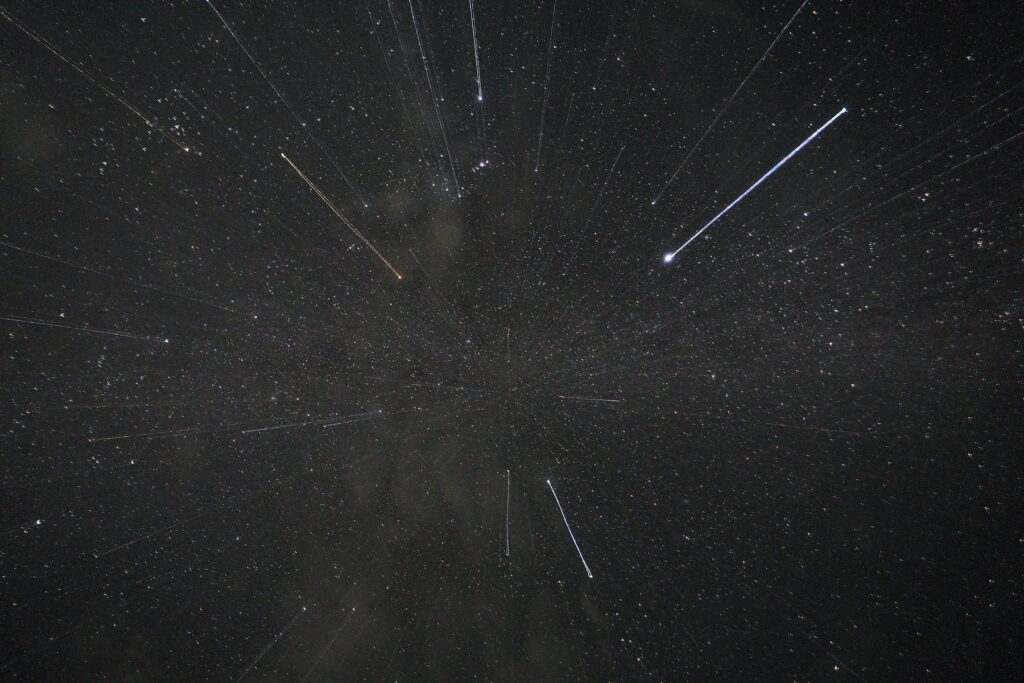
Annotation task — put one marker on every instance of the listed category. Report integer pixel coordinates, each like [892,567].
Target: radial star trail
[286,103]
[569,529]
[46,44]
[340,215]
[109,333]
[671,255]
[324,422]
[476,53]
[133,283]
[272,643]
[479,88]
[167,433]
[586,398]
[600,194]
[547,81]
[729,101]
[433,98]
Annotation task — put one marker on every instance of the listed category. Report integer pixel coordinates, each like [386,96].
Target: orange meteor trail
[45,43]
[341,216]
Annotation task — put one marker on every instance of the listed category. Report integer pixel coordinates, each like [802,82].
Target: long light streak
[671,255]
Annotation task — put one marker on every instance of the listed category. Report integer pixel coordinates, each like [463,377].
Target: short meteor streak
[272,643]
[569,529]
[89,77]
[341,216]
[109,333]
[508,496]
[332,421]
[547,81]
[167,433]
[730,100]
[671,255]
[587,398]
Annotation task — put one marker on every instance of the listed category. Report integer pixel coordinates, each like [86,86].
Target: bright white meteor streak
[569,529]
[92,330]
[671,255]
[476,54]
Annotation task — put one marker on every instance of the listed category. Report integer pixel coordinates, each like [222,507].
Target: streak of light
[168,433]
[330,644]
[341,216]
[332,421]
[272,643]
[94,271]
[479,90]
[508,498]
[288,106]
[433,98]
[671,255]
[110,333]
[975,157]
[24,528]
[52,639]
[729,101]
[587,398]
[49,46]
[227,504]
[600,194]
[394,83]
[547,81]
[476,53]
[569,529]
[412,80]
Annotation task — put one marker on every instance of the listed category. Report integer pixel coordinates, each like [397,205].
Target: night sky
[339,342]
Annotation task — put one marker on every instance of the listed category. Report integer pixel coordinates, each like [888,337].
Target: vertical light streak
[476,53]
[508,497]
[479,87]
[547,80]
[433,97]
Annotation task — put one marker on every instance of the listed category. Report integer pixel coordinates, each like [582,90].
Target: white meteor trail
[508,495]
[547,82]
[569,529]
[272,643]
[587,398]
[433,97]
[671,255]
[88,76]
[476,54]
[109,333]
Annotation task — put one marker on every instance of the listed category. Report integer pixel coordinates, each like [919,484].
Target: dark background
[810,470]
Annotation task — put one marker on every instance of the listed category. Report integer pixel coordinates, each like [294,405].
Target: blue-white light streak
[671,255]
